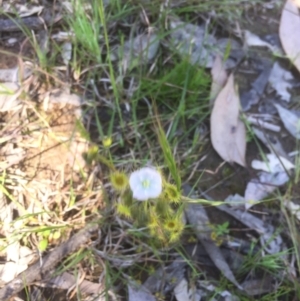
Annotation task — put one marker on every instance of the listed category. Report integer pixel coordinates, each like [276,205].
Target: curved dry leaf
[258,189]
[273,164]
[228,134]
[184,292]
[253,40]
[199,220]
[290,120]
[139,50]
[9,93]
[219,78]
[22,10]
[293,207]
[270,241]
[6,215]
[192,41]
[165,278]
[67,280]
[271,142]
[289,31]
[137,293]
[280,81]
[66,52]
[10,270]
[235,55]
[254,287]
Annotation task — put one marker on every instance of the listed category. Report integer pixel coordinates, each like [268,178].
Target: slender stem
[202,201]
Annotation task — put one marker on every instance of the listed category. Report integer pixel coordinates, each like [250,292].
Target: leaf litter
[280,80]
[288,29]
[202,47]
[198,219]
[252,40]
[290,119]
[41,178]
[272,142]
[273,164]
[262,186]
[228,133]
[252,97]
[142,48]
[219,79]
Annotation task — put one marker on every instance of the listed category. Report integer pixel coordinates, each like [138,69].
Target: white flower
[145,183]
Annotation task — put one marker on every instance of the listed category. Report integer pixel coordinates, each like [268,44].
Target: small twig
[36,271]
[263,124]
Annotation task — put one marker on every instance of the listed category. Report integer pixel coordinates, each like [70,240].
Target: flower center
[146,183]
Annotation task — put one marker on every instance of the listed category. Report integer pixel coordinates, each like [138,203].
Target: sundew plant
[148,200]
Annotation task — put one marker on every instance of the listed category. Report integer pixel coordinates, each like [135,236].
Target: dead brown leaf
[228,134]
[289,31]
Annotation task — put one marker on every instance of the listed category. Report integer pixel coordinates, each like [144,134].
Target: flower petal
[139,177]
[140,194]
